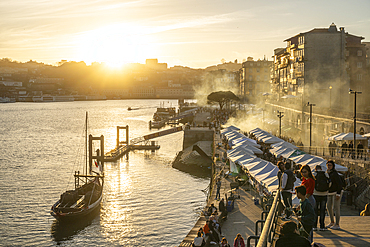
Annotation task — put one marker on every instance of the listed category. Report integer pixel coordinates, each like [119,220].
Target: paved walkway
[241,219]
[355,232]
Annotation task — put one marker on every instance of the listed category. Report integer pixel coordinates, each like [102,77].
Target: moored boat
[85,198]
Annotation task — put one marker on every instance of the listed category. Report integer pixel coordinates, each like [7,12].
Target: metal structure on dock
[124,147]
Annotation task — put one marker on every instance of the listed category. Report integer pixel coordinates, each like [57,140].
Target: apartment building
[254,78]
[320,64]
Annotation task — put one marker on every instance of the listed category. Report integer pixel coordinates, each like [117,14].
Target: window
[359,77]
[359,65]
[265,70]
[250,71]
[258,70]
[258,78]
[258,64]
[359,53]
[250,78]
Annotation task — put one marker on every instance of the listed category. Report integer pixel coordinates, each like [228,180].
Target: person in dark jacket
[287,184]
[289,236]
[344,150]
[222,208]
[306,212]
[334,195]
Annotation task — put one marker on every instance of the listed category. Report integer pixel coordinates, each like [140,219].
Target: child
[306,212]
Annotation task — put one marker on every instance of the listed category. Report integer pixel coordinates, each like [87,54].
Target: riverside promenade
[245,213]
[354,230]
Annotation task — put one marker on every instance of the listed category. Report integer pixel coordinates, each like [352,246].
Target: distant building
[255,78]
[153,64]
[319,63]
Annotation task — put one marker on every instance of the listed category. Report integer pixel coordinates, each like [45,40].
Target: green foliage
[222,97]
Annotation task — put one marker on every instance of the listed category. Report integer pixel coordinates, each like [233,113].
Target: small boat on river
[85,198]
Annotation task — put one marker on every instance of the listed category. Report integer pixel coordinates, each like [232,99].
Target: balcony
[298,74]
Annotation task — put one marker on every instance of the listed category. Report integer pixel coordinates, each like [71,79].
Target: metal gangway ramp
[138,143]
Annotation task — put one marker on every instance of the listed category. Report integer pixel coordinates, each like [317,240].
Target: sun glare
[115,45]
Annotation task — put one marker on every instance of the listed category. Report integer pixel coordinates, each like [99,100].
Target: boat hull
[74,216]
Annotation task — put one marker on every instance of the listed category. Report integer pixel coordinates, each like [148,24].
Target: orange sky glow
[188,33]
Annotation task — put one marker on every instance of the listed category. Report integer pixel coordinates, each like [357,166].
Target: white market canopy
[231,127]
[249,147]
[346,137]
[284,144]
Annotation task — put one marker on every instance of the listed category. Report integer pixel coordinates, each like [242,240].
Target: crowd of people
[320,191]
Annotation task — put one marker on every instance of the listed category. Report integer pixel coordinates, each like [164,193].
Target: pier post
[99,156]
[127,136]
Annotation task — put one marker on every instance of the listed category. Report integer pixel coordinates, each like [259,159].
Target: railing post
[256,238]
[256,226]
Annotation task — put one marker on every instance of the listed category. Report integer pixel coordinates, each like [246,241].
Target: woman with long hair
[308,180]
[239,241]
[334,195]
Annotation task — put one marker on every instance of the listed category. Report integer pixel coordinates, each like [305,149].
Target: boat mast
[86,146]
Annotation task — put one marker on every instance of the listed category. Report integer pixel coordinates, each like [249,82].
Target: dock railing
[269,225]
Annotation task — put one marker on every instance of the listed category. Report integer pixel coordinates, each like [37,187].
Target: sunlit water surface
[145,203]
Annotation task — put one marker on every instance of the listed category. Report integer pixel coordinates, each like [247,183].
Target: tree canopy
[222,97]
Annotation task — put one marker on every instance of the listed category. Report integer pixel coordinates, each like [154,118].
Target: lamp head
[350,91]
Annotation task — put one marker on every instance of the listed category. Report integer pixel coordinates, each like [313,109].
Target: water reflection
[116,218]
[62,231]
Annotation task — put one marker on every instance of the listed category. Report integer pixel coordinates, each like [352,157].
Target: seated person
[211,209]
[289,236]
[198,241]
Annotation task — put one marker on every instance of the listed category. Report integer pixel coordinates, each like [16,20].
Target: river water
[146,202]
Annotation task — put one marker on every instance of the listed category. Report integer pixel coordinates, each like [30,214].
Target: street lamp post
[310,105]
[330,87]
[280,116]
[354,119]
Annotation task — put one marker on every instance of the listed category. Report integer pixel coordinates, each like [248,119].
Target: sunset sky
[194,33]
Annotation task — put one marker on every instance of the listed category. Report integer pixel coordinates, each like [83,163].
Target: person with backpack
[334,195]
[287,184]
[320,193]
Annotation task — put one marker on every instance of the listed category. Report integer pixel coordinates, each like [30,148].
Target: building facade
[320,66]
[254,78]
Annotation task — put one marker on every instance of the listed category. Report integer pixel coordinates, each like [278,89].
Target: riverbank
[242,217]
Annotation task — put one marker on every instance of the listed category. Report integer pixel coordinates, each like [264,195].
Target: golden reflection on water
[116,220]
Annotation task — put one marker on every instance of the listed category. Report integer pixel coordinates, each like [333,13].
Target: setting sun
[115,45]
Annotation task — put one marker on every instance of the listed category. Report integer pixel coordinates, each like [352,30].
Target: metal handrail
[268,225]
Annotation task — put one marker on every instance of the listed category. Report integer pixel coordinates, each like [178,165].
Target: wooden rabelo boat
[85,198]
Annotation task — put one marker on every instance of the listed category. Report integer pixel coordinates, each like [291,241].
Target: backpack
[322,182]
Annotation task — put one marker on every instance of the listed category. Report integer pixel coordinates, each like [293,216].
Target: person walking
[334,195]
[344,150]
[218,184]
[360,150]
[331,148]
[239,241]
[350,150]
[322,184]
